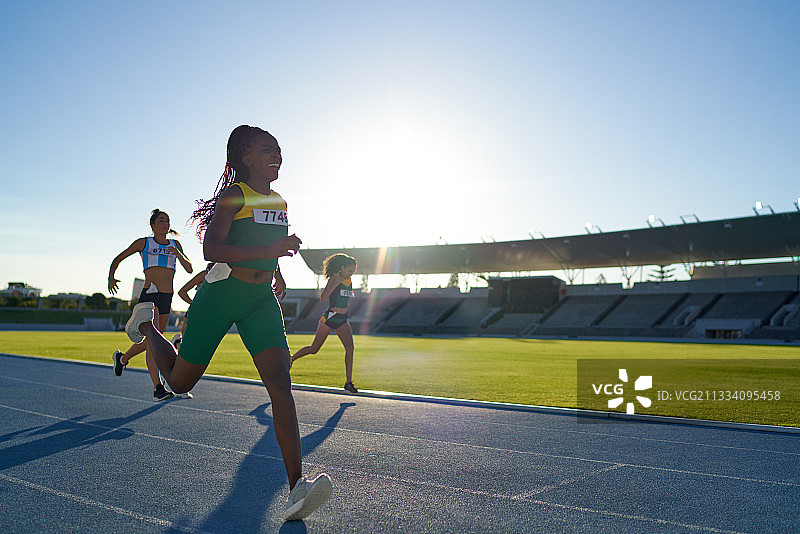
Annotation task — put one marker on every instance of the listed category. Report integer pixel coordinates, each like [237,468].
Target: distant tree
[97,301]
[601,279]
[49,303]
[453,282]
[662,274]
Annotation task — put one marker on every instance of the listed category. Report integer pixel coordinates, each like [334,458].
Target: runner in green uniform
[245,230]
[339,269]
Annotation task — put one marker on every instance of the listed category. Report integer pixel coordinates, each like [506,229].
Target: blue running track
[84,451]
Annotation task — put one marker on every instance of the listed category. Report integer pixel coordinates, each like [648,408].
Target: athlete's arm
[182,257]
[191,284]
[279,284]
[136,246]
[333,283]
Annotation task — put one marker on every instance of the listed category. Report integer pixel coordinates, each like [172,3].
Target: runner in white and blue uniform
[159,257]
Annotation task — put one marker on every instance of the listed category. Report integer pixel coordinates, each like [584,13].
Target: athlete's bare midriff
[162,277]
[252,276]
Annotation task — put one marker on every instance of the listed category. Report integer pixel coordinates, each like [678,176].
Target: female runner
[159,255]
[338,269]
[245,230]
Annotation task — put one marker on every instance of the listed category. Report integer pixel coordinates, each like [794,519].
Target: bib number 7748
[277,217]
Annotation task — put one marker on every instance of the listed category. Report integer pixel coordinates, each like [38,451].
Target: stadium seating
[688,309]
[465,319]
[750,305]
[580,311]
[375,308]
[309,316]
[415,315]
[766,308]
[513,324]
[639,311]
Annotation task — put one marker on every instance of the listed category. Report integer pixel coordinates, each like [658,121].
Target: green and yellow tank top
[341,296]
[260,222]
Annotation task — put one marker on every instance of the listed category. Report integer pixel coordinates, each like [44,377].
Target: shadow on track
[258,481]
[66,435]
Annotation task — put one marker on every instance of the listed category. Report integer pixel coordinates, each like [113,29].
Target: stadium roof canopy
[757,237]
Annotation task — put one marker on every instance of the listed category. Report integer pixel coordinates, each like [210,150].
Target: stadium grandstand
[745,284]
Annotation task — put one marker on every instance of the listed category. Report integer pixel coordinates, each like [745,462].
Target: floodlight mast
[589,227]
[761,206]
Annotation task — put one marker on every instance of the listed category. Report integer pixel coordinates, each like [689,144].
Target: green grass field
[526,371]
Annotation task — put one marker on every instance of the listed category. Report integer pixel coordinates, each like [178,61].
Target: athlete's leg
[322,334]
[136,348]
[152,368]
[263,333]
[345,334]
[273,367]
[179,374]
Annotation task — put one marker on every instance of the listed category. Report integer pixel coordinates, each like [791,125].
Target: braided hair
[333,264]
[235,171]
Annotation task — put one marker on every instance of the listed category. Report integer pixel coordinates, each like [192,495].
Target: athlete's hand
[279,287]
[112,285]
[284,246]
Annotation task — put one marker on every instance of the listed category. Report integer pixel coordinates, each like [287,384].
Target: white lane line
[94,393]
[559,430]
[403,480]
[169,524]
[146,435]
[500,496]
[441,443]
[566,457]
[100,505]
[566,481]
[654,520]
[548,429]
[221,412]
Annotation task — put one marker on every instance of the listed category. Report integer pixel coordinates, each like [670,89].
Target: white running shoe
[306,496]
[142,313]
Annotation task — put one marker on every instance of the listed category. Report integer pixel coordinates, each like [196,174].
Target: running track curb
[574,412]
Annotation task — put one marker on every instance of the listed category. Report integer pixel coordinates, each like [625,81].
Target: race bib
[160,250]
[277,217]
[349,293]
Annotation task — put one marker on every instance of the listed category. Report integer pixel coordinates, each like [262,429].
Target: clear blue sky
[401,122]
